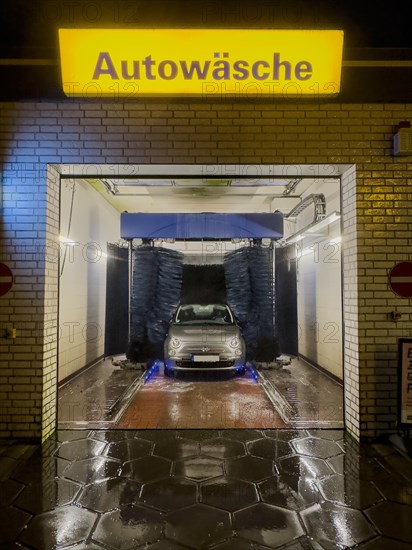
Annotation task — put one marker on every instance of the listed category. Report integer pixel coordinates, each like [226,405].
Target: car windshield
[214,314]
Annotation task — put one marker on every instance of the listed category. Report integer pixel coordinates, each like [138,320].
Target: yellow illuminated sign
[193,62]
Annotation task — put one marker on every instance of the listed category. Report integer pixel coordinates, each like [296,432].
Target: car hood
[194,332]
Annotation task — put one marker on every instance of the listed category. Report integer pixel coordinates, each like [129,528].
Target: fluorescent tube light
[67,241]
[321,224]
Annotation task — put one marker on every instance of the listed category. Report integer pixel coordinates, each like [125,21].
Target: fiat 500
[204,337]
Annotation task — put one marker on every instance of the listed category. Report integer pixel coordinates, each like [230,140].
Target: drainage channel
[112,410]
[289,411]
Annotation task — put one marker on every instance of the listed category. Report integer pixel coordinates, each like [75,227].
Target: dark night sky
[30,26]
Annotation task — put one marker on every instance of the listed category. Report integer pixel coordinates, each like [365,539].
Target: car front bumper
[189,365]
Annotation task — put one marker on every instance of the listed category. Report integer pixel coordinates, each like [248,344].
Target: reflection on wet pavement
[306,395]
[108,397]
[95,394]
[204,489]
[201,401]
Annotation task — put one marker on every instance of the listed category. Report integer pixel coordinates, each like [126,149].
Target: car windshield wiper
[214,323]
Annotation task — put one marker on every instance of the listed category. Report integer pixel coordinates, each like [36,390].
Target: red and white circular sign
[400,279]
[6,279]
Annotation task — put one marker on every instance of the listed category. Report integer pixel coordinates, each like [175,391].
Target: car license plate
[204,358]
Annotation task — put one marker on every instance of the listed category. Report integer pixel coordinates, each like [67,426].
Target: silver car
[204,337]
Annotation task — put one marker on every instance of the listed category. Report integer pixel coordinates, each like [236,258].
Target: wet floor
[204,489]
[106,396]
[95,394]
[307,396]
[201,401]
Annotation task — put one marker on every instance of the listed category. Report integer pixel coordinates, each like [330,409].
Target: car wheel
[167,372]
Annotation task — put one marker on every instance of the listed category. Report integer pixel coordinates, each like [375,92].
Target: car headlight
[235,342]
[175,342]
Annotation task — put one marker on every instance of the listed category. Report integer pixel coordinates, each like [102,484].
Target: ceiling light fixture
[321,224]
[68,242]
[294,238]
[111,187]
[312,229]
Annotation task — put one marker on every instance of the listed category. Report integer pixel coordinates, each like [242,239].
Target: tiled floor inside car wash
[107,396]
[204,489]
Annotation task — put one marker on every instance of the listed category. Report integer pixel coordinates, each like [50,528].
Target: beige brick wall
[376,204]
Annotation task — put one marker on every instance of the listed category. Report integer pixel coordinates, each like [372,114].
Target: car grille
[205,364]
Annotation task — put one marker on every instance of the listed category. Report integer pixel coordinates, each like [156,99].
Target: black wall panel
[286,307]
[203,284]
[117,301]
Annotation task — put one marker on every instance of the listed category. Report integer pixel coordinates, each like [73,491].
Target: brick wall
[376,201]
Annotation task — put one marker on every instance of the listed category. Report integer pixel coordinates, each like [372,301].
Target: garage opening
[118,299]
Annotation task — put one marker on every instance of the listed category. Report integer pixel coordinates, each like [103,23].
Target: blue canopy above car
[202,226]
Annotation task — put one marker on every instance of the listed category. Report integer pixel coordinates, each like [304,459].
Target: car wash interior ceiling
[90,213]
[309,205]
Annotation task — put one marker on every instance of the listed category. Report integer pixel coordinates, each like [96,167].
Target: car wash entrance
[230,318]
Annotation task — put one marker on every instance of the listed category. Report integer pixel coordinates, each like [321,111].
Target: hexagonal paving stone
[267,524]
[285,435]
[165,544]
[9,489]
[169,494]
[337,463]
[71,435]
[40,469]
[376,449]
[84,546]
[156,435]
[12,522]
[92,469]
[242,435]
[50,530]
[199,468]
[129,527]
[383,543]
[371,469]
[113,436]
[331,524]
[176,449]
[304,467]
[18,451]
[394,490]
[306,543]
[398,463]
[7,466]
[393,520]
[229,494]
[319,448]
[198,435]
[330,435]
[236,543]
[290,492]
[12,546]
[250,468]
[48,448]
[208,526]
[357,494]
[221,448]
[77,450]
[147,468]
[47,495]
[269,448]
[128,449]
[109,494]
